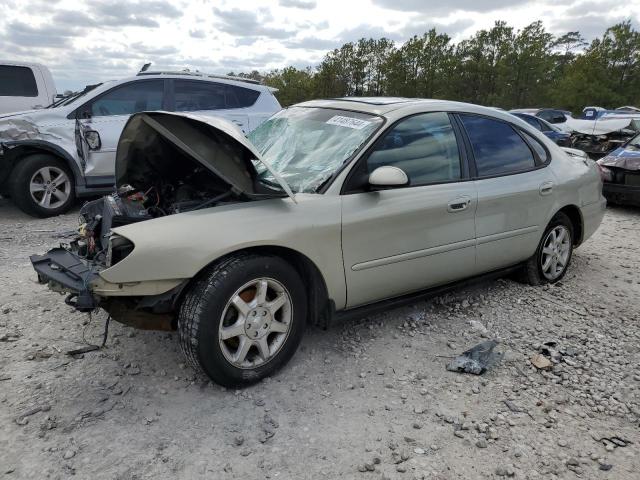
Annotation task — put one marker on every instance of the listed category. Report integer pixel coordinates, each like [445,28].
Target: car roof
[18,63]
[204,77]
[197,78]
[397,106]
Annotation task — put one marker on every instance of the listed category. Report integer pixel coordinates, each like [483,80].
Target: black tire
[21,178]
[532,272]
[201,311]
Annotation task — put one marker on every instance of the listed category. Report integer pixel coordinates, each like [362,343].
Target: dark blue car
[554,133]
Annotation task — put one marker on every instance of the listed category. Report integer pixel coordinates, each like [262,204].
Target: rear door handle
[458,204]
[546,188]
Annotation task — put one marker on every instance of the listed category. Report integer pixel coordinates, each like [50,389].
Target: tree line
[500,67]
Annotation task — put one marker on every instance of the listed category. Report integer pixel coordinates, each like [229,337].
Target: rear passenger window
[424,146]
[194,95]
[242,97]
[497,147]
[17,82]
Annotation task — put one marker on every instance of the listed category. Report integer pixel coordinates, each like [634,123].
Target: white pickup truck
[25,86]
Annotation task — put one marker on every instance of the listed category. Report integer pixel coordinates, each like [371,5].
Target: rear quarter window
[17,82]
[497,147]
[239,97]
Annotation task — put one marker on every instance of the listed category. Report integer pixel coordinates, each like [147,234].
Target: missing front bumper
[65,272]
[149,305]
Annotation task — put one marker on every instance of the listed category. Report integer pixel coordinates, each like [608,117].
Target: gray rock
[69,454]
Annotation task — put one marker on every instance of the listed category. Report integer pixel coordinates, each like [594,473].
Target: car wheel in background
[243,318]
[42,186]
[553,256]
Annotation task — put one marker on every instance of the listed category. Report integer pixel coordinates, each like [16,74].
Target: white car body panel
[46,90]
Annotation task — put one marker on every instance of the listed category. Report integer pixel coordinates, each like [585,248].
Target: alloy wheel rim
[555,252]
[255,323]
[49,187]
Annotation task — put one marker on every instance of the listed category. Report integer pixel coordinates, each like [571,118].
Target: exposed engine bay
[130,205]
[158,174]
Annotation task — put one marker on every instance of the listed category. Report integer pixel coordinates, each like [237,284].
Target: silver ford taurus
[330,208]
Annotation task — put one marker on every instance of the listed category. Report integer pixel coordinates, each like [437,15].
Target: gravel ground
[367,399]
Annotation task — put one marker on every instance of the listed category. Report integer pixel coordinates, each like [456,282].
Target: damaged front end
[166,164]
[597,138]
[620,172]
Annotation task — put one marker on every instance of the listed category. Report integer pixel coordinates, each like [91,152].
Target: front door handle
[458,204]
[546,188]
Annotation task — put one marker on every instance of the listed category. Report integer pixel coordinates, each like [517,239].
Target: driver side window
[129,99]
[423,146]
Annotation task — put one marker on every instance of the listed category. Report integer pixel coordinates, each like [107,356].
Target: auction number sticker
[348,122]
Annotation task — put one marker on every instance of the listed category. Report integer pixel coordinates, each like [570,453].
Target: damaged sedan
[330,208]
[620,171]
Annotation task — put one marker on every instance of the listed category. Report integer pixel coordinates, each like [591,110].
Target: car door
[107,115]
[209,98]
[515,190]
[406,239]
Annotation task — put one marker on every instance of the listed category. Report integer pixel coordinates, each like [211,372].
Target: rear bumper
[622,194]
[592,215]
[65,272]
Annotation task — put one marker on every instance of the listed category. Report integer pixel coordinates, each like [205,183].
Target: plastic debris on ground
[477,359]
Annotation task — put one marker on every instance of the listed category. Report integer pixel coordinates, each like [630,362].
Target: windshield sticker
[348,122]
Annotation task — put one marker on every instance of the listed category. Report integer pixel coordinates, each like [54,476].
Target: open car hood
[215,143]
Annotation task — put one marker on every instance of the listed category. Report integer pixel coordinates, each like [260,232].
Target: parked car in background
[553,116]
[620,171]
[328,207]
[554,133]
[25,86]
[50,156]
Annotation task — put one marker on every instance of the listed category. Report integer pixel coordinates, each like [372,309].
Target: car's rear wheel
[243,319]
[553,256]
[42,186]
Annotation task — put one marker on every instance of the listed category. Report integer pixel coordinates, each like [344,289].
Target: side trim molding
[402,257]
[413,255]
[509,234]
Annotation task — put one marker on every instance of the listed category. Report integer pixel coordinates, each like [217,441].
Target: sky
[84,42]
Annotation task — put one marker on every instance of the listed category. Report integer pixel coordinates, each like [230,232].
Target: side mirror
[388,176]
[93,139]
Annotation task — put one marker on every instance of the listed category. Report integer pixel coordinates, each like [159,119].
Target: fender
[13,148]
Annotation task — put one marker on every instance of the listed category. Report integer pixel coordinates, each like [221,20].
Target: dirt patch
[367,399]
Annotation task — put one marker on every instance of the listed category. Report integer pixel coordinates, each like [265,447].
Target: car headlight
[119,247]
[605,173]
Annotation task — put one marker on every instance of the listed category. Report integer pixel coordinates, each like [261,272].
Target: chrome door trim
[503,235]
[413,255]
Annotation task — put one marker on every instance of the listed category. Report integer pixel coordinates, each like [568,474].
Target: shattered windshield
[307,145]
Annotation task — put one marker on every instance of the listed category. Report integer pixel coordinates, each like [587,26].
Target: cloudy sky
[85,41]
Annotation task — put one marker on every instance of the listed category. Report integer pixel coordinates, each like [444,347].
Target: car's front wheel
[42,186]
[551,260]
[243,319]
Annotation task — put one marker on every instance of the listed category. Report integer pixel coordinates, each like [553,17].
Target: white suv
[50,156]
